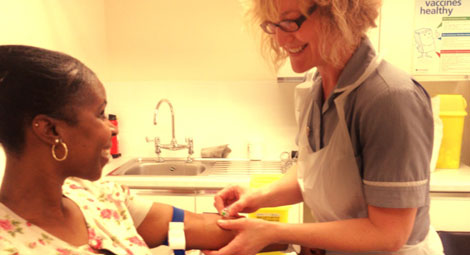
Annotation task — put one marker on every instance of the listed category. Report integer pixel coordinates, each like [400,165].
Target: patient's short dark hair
[37,81]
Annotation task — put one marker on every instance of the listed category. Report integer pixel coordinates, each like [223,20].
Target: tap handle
[158,148]
[156,142]
[173,142]
[190,143]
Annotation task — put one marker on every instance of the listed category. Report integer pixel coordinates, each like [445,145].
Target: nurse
[365,138]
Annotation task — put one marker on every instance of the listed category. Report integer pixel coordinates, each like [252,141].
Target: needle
[224,213]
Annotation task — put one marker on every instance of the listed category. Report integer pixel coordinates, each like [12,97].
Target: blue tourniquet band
[178,216]
[179,252]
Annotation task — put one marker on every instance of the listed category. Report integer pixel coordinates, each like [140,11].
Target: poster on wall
[441,37]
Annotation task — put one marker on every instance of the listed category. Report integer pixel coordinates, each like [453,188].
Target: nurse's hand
[252,236]
[237,199]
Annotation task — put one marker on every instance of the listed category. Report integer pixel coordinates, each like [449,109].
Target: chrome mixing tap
[173,145]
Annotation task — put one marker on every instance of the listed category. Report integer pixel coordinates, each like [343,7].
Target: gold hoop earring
[59,141]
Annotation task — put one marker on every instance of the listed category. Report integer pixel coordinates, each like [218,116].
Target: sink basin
[179,167]
[150,166]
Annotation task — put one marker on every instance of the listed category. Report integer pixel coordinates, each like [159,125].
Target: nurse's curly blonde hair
[343,24]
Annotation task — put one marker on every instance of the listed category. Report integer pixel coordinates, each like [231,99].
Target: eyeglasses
[287,25]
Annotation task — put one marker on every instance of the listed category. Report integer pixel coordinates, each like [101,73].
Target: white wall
[212,112]
[181,40]
[221,89]
[396,32]
[76,27]
[200,56]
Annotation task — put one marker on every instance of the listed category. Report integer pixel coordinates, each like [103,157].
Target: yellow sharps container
[452,113]
[278,214]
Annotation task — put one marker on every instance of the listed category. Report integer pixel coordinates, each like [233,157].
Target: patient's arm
[201,230]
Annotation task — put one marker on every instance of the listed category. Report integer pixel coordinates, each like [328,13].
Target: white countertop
[442,180]
[180,182]
[451,180]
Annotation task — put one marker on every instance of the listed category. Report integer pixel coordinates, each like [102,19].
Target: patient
[56,137]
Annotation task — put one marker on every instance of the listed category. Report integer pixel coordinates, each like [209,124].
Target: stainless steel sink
[150,166]
[179,167]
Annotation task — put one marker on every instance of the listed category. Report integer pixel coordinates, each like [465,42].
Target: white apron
[331,192]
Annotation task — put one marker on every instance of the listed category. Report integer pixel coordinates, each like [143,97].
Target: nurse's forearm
[286,191]
[387,232]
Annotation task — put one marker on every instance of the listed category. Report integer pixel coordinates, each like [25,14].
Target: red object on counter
[115,144]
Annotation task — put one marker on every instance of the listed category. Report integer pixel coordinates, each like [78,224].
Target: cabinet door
[181,200]
[450,211]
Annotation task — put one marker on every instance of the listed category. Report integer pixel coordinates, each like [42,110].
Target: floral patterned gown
[109,210]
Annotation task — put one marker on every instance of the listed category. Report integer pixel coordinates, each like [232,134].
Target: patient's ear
[45,128]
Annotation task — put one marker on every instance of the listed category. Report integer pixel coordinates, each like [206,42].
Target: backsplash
[211,112]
